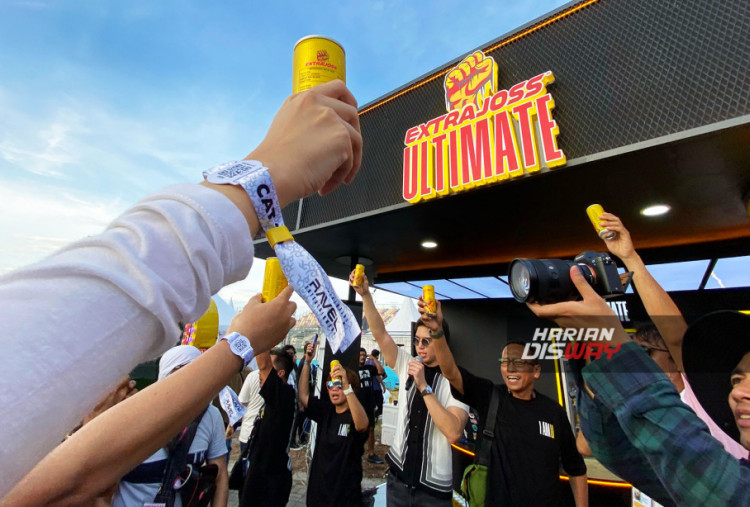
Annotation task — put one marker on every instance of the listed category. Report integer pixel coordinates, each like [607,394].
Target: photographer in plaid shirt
[633,409]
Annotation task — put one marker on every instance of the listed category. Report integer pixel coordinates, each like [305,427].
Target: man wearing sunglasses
[532,435]
[429,418]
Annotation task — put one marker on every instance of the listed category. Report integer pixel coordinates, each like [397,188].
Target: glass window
[730,272]
[488,286]
[679,275]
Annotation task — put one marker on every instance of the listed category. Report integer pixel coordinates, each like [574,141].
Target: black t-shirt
[269,450]
[532,438]
[336,469]
[368,376]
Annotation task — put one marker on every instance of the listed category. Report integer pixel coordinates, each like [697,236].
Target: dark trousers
[266,490]
[298,428]
[399,494]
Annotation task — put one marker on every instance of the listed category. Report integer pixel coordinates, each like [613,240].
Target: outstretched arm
[304,376]
[388,347]
[661,308]
[443,353]
[136,295]
[91,460]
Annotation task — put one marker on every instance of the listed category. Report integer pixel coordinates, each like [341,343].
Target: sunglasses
[519,364]
[334,384]
[424,341]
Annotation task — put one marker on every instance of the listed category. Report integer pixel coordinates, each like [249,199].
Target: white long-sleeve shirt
[78,321]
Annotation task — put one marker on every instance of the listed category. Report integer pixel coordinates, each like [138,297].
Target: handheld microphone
[410,380]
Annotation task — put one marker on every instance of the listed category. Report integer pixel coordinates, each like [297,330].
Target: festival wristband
[231,405]
[240,346]
[302,271]
[349,390]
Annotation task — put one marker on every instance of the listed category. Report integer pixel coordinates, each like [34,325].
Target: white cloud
[38,220]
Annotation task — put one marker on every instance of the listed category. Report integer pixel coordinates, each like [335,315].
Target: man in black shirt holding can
[336,468]
[532,432]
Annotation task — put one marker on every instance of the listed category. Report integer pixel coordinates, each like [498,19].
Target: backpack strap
[177,449]
[488,433]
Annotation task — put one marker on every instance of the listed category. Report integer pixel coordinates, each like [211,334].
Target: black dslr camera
[548,280]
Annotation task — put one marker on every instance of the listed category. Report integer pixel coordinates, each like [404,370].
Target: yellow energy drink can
[594,212]
[335,363]
[317,60]
[274,280]
[359,275]
[428,294]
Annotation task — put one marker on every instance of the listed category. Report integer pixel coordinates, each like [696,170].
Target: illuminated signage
[486,136]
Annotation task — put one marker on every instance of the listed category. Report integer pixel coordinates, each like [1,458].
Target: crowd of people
[166,445]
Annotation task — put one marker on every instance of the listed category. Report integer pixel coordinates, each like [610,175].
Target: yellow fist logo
[470,82]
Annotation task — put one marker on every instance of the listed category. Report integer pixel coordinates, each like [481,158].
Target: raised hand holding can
[594,212]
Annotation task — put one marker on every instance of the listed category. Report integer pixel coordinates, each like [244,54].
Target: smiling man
[532,435]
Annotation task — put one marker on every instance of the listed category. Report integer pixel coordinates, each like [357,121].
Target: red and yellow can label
[428,294]
[317,60]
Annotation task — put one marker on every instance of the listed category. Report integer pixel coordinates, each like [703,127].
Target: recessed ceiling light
[656,210]
[428,244]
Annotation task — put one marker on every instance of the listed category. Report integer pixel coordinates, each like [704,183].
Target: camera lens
[520,280]
[542,280]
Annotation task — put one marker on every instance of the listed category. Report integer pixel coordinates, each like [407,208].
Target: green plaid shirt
[639,428]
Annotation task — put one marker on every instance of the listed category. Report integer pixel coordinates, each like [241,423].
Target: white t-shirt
[207,444]
[439,473]
[250,397]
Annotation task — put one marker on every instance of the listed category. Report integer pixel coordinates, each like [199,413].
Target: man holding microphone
[429,417]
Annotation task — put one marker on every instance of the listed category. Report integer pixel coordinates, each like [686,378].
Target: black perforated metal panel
[626,71]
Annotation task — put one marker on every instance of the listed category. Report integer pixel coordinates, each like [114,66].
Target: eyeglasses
[648,349]
[334,384]
[519,364]
[424,341]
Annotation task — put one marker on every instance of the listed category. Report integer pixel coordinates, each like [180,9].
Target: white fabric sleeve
[402,363]
[249,387]
[217,445]
[78,321]
[446,397]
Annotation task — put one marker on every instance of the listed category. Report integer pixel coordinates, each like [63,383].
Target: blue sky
[103,102]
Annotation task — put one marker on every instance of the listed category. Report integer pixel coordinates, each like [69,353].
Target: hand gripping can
[317,60]
[335,363]
[428,294]
[359,275]
[274,280]
[594,212]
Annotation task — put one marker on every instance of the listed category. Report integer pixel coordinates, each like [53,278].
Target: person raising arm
[336,468]
[416,463]
[659,305]
[155,265]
